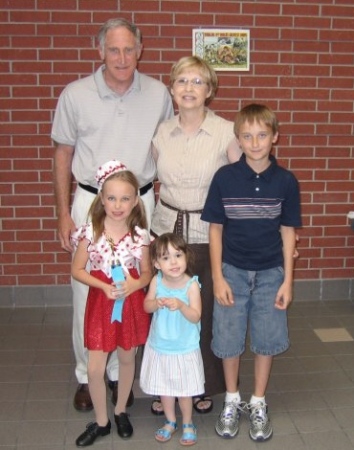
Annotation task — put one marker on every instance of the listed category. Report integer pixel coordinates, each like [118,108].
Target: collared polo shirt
[252,207]
[103,125]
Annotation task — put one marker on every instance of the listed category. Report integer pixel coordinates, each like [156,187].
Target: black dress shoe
[82,399]
[124,427]
[93,431]
[113,386]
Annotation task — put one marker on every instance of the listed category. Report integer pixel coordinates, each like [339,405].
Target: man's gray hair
[116,23]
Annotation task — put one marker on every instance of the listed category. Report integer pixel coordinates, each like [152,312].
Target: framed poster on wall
[223,49]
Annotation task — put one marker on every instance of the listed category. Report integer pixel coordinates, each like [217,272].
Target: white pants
[79,212]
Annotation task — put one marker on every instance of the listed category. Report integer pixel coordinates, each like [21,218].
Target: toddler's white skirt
[172,375]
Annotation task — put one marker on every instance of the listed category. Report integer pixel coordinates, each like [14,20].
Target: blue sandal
[163,434]
[189,437]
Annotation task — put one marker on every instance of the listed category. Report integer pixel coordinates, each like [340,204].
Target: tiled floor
[310,396]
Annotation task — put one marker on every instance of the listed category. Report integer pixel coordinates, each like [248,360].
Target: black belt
[143,190]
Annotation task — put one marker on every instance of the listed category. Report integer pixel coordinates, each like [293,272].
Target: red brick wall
[302,65]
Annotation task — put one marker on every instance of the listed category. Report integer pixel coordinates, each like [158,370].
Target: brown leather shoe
[113,386]
[82,399]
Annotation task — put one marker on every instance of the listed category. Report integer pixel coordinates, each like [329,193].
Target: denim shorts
[254,297]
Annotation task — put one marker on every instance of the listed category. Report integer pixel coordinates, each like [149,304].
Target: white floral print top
[102,254]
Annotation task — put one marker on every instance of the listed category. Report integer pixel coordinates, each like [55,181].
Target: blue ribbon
[117,276]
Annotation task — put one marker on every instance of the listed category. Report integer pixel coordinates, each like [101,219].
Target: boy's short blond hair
[259,113]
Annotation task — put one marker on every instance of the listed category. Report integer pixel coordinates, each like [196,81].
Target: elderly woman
[188,150]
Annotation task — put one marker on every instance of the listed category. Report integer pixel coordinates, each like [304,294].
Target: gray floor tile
[56,329]
[318,364]
[344,417]
[282,423]
[13,391]
[298,323]
[314,348]
[16,329]
[41,432]
[17,358]
[8,433]
[301,335]
[17,374]
[45,410]
[325,321]
[55,390]
[327,440]
[18,343]
[339,380]
[314,421]
[281,442]
[294,382]
[54,357]
[345,361]
[287,366]
[341,348]
[304,401]
[55,342]
[310,393]
[350,434]
[350,374]
[337,398]
[57,372]
[11,411]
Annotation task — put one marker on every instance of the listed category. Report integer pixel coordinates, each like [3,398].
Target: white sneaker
[260,426]
[227,425]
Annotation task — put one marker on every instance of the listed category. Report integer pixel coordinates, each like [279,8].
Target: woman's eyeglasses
[196,82]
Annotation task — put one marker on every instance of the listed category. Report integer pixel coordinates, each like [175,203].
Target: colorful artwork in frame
[223,49]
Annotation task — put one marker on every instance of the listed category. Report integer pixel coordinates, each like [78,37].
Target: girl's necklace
[114,258]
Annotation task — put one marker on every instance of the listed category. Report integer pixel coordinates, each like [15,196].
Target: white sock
[233,397]
[255,400]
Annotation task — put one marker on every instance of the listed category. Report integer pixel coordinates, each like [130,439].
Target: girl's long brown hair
[137,216]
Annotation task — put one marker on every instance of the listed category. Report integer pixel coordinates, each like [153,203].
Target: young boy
[253,207]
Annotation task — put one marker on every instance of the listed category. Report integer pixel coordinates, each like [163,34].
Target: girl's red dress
[99,332]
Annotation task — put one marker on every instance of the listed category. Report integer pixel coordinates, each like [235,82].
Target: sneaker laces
[232,408]
[258,413]
[229,410]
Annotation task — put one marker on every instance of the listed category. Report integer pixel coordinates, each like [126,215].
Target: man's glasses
[197,82]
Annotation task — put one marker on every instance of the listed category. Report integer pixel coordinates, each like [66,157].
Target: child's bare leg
[165,433]
[231,369]
[189,432]
[262,369]
[186,407]
[96,368]
[169,408]
[126,360]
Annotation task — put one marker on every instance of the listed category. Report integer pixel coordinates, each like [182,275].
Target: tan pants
[79,212]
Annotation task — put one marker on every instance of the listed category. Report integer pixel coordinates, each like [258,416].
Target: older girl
[116,235]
